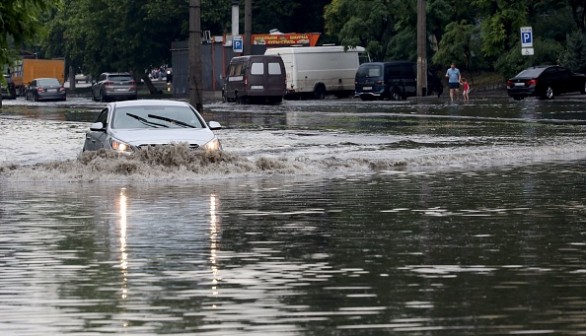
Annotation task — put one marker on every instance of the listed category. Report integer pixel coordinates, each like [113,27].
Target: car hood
[157,136]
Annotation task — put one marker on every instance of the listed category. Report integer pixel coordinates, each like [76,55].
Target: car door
[95,140]
[97,85]
[31,90]
[564,78]
[556,79]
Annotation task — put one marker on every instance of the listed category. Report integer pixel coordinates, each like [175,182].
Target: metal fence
[215,58]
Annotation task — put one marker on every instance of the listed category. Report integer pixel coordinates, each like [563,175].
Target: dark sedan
[545,82]
[45,89]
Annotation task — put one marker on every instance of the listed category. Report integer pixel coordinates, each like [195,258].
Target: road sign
[237,44]
[527,51]
[526,37]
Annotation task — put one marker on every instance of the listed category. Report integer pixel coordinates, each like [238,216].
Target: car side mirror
[214,125]
[97,127]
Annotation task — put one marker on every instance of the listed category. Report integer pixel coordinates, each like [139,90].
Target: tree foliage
[123,35]
[19,23]
[476,34]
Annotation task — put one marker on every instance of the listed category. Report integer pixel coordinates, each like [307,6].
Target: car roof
[388,62]
[43,78]
[116,73]
[534,71]
[149,102]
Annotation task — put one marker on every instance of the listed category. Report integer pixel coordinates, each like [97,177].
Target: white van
[318,71]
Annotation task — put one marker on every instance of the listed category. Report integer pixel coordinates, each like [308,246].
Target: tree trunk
[71,78]
[149,83]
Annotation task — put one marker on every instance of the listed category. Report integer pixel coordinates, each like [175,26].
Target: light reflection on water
[334,225]
[493,252]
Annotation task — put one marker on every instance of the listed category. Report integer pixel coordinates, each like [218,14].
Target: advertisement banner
[287,39]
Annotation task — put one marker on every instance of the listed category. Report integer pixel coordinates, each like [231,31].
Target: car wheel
[396,95]
[319,92]
[549,92]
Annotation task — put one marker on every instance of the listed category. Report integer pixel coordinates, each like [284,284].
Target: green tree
[298,16]
[457,45]
[19,23]
[128,35]
[361,23]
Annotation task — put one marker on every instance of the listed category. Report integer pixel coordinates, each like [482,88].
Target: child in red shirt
[465,89]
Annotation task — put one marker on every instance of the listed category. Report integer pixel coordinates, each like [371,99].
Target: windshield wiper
[144,121]
[178,122]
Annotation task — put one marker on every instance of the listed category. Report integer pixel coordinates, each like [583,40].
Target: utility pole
[421,50]
[247,26]
[195,82]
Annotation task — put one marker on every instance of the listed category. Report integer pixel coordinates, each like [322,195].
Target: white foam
[40,149]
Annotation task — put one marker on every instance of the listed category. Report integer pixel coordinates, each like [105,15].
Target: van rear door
[275,78]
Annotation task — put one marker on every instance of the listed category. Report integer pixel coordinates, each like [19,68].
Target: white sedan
[129,126]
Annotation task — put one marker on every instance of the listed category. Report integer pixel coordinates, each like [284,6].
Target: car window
[274,69]
[126,117]
[103,117]
[47,82]
[257,69]
[368,71]
[531,73]
[237,68]
[119,78]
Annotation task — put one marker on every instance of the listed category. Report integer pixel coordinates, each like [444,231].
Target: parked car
[45,89]
[80,77]
[255,78]
[392,80]
[130,126]
[8,89]
[545,82]
[114,86]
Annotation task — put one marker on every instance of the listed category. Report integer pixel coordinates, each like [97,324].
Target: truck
[319,71]
[25,70]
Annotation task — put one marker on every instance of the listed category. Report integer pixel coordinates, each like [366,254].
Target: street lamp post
[195,82]
[421,50]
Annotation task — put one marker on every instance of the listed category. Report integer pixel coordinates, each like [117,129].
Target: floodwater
[335,217]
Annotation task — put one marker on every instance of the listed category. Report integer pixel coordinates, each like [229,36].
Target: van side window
[257,69]
[274,69]
[232,71]
[236,70]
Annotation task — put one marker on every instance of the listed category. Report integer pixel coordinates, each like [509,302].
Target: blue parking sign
[237,44]
[526,37]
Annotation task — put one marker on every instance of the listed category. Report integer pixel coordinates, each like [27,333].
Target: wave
[179,163]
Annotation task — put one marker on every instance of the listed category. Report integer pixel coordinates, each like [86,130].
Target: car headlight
[120,146]
[213,145]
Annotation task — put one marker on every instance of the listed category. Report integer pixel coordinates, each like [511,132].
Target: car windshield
[155,117]
[369,71]
[47,82]
[531,73]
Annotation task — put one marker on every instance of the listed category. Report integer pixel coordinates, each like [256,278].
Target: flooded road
[335,217]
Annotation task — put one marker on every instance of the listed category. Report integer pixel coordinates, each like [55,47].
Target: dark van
[255,78]
[393,80]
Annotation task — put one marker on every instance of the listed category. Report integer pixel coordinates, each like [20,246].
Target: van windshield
[369,71]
